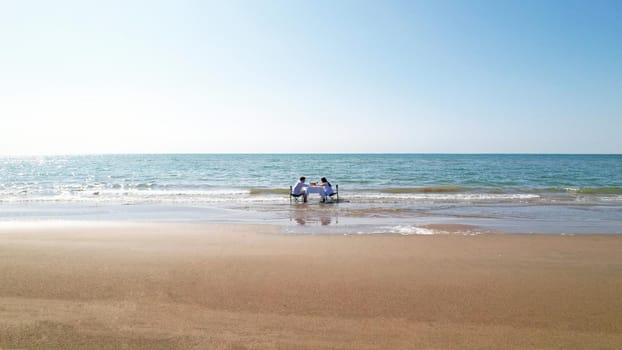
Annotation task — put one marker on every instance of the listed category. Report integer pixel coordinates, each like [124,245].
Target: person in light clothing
[328,188]
[300,188]
[323,188]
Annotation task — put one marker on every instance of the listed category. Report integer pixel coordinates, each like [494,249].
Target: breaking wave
[259,191]
[432,189]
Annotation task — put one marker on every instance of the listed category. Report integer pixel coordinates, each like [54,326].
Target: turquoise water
[374,188]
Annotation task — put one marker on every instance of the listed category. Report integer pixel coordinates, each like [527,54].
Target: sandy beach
[183,286]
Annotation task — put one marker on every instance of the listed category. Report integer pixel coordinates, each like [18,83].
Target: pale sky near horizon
[310,76]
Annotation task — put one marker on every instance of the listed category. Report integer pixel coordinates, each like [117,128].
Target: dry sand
[172,286]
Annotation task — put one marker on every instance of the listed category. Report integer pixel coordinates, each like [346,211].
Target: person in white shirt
[300,188]
[323,188]
[328,188]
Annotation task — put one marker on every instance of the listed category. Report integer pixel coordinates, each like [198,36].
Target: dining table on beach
[316,189]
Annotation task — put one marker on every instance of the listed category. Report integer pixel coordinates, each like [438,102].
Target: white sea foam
[95,194]
[412,230]
[407,230]
[443,196]
[616,198]
[148,195]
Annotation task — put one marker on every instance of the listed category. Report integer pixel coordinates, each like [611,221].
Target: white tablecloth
[316,189]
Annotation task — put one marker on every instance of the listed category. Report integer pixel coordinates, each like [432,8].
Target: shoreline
[184,286]
[293,229]
[340,218]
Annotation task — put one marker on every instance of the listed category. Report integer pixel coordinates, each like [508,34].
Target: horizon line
[293,153]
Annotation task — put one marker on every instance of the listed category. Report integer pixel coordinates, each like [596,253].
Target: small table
[316,189]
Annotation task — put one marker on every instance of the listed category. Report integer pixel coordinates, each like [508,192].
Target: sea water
[399,193]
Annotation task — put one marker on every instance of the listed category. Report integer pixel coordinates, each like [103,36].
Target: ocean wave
[259,191]
[280,195]
[611,190]
[127,196]
[256,195]
[600,190]
[443,196]
[408,230]
[610,198]
[431,189]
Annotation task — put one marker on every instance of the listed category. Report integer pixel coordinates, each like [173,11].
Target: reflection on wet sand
[306,216]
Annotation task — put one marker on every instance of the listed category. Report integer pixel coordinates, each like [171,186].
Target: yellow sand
[172,286]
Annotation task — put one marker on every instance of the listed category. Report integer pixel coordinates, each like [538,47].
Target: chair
[295,196]
[336,193]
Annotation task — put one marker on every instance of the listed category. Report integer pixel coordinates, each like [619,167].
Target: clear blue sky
[310,76]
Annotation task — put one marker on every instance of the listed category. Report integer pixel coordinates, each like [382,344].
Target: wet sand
[178,286]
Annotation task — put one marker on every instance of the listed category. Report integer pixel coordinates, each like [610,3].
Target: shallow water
[400,193]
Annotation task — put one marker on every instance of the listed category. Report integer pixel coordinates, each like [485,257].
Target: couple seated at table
[303,189]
